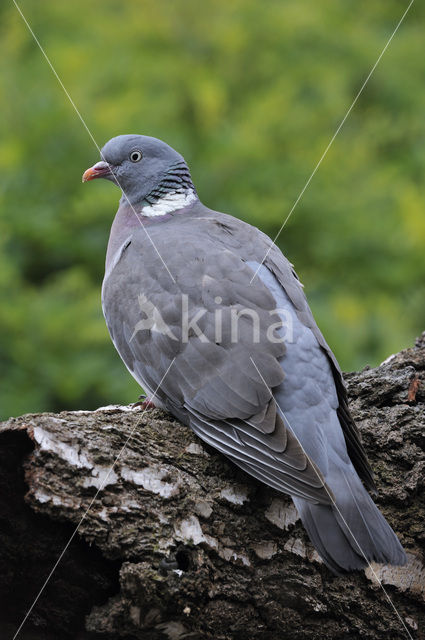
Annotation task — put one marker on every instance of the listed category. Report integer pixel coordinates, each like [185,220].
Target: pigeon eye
[135,156]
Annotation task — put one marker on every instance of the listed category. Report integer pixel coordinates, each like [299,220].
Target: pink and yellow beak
[99,170]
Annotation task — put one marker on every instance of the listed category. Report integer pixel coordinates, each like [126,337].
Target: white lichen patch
[68,453]
[297,546]
[42,497]
[281,514]
[103,514]
[190,530]
[265,550]
[411,577]
[118,407]
[196,449]
[231,556]
[78,412]
[152,479]
[100,477]
[243,557]
[235,494]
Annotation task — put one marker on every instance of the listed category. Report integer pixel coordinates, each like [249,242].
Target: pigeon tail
[354,532]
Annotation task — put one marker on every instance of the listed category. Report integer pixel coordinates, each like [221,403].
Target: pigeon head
[146,169]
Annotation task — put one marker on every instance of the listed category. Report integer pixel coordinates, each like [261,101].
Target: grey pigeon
[275,404]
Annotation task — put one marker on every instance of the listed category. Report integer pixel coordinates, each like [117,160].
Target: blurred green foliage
[251,94]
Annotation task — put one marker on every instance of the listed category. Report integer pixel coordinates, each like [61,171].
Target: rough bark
[181,544]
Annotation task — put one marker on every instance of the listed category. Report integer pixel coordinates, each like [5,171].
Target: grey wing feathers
[283,271]
[288,470]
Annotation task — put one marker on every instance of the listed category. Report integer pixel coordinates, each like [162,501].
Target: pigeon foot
[144,403]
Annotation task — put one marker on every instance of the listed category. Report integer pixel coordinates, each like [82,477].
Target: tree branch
[181,544]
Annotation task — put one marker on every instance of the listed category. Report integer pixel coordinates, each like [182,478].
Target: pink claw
[145,405]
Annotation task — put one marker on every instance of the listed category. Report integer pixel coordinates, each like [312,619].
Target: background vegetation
[250,93]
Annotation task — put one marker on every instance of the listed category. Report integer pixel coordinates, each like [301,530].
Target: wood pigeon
[211,320]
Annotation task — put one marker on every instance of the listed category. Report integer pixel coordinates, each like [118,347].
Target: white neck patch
[169,202]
